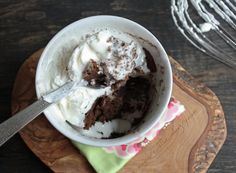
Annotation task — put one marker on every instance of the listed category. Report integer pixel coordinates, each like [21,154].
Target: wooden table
[29,25]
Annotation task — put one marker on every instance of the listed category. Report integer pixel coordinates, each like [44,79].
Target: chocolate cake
[129,100]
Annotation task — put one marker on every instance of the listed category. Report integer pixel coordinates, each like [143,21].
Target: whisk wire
[192,32]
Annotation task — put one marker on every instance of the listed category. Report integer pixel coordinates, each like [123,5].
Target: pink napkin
[175,108]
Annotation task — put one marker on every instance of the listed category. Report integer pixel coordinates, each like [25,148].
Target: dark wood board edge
[208,145]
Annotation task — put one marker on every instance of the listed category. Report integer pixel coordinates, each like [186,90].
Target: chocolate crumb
[96,75]
[150,61]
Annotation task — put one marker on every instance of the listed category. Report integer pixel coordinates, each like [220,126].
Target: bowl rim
[126,139]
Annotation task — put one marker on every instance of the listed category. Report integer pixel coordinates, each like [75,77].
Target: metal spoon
[14,124]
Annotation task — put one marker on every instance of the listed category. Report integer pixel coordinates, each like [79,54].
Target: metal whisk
[198,19]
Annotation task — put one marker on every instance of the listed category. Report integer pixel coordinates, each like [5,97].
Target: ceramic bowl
[63,44]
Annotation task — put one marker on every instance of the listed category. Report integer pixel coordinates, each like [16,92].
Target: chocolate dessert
[129,100]
[118,76]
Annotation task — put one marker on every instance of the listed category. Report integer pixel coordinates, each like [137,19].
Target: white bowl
[63,43]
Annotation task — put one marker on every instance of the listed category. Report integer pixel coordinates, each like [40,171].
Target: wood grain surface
[28,25]
[188,144]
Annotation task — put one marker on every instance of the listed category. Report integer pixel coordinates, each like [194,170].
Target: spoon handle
[14,124]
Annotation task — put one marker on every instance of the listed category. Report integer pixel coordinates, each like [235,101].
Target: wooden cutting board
[189,144]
